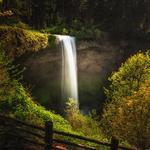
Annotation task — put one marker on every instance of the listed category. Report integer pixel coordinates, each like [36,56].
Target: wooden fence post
[114,144]
[48,135]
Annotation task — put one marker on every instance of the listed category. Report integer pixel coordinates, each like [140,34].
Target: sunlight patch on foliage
[126,114]
[6,13]
[129,77]
[21,41]
[88,125]
[16,101]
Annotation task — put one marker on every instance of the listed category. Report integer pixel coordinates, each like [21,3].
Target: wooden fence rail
[47,135]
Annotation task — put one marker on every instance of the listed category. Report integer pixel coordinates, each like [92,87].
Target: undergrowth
[16,101]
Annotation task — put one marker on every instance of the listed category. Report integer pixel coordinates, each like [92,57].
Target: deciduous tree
[126,114]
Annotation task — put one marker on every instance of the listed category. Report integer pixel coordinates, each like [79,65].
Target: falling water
[69,68]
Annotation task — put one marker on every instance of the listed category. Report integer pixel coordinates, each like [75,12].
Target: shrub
[87,124]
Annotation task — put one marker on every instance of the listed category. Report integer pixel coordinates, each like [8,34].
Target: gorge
[95,62]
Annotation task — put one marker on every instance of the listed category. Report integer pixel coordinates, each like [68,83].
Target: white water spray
[69,68]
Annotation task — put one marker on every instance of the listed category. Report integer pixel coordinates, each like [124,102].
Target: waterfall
[69,68]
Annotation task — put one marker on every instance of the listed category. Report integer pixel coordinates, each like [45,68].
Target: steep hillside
[15,100]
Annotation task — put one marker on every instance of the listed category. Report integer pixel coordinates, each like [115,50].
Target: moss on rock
[16,41]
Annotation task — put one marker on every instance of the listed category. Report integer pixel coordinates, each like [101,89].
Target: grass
[16,101]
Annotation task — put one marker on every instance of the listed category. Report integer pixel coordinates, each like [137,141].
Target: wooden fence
[45,137]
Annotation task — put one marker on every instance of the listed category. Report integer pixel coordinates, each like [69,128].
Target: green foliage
[86,124]
[5,20]
[126,113]
[129,118]
[3,72]
[52,41]
[16,101]
[80,31]
[12,70]
[54,29]
[87,33]
[22,25]
[134,72]
[21,41]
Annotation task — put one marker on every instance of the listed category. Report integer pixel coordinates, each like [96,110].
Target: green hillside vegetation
[21,40]
[16,100]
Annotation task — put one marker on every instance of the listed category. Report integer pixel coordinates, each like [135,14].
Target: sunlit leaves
[129,77]
[129,118]
[127,113]
[6,13]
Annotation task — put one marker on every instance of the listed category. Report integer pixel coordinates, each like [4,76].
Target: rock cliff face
[96,61]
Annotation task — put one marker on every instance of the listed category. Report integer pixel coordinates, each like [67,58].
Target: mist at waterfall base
[69,82]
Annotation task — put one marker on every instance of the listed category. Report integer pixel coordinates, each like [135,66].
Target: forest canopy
[120,16]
